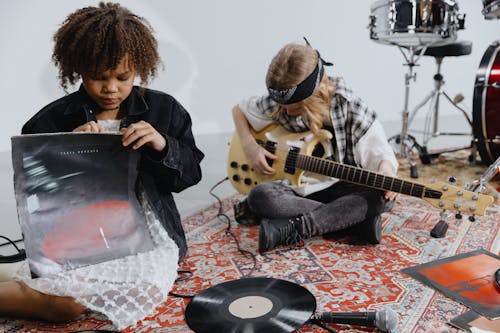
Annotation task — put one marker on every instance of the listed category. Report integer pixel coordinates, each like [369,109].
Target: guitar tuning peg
[472,218]
[458,216]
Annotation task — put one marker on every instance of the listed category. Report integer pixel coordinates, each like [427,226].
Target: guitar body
[277,140]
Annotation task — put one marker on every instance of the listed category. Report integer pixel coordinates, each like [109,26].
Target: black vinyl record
[250,305]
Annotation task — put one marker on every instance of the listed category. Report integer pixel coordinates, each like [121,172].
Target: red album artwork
[76,200]
[467,278]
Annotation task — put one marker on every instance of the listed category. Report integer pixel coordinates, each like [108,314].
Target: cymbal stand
[482,184]
[405,141]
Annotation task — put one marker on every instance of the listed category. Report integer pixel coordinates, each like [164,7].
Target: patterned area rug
[343,275]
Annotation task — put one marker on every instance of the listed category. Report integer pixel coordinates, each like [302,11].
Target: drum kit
[430,27]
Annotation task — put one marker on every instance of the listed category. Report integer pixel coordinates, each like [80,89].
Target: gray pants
[337,207]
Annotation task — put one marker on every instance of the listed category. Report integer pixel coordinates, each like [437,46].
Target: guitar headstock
[458,199]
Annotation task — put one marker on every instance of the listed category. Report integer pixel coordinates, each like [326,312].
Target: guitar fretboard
[359,176]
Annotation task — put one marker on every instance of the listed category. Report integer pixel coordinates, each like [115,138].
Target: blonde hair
[293,63]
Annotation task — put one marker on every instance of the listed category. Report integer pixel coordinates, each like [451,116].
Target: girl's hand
[90,127]
[142,133]
[391,196]
[257,158]
[386,168]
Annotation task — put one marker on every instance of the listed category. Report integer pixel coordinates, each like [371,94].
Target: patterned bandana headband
[304,89]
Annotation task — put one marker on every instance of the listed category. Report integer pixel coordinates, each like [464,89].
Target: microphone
[385,320]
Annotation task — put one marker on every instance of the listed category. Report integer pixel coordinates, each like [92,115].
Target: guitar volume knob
[247,181]
[236,178]
[234,164]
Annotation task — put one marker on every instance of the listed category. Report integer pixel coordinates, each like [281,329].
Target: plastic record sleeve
[251,305]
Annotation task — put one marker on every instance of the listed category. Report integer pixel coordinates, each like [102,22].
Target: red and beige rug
[342,275]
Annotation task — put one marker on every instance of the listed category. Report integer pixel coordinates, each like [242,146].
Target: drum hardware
[481,184]
[413,26]
[434,96]
[406,142]
[496,140]
[491,9]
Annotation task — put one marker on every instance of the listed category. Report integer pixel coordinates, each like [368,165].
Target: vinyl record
[250,305]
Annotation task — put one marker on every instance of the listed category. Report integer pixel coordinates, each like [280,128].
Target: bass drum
[486,105]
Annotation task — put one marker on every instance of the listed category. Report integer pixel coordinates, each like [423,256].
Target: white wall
[216,52]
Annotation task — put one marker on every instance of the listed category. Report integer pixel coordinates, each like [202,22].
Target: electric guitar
[295,155]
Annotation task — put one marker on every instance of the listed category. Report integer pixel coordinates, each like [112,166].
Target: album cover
[471,321]
[467,278]
[76,200]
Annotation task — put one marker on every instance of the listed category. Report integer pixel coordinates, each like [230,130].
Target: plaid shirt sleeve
[258,111]
[351,118]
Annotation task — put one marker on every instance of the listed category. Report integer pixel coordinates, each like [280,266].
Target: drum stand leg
[406,142]
[433,98]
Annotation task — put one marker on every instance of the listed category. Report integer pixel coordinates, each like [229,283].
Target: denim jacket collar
[134,103]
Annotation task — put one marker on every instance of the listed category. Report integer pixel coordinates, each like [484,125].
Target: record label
[251,305]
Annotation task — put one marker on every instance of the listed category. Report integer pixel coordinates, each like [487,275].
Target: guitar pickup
[270,147]
[291,160]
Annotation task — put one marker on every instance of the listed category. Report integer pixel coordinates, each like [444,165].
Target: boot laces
[290,235]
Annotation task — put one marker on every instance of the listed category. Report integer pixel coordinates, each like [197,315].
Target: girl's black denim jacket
[161,173]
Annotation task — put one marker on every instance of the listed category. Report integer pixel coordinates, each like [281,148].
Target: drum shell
[414,22]
[486,105]
[491,9]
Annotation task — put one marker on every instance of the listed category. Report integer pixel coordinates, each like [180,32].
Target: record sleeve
[76,200]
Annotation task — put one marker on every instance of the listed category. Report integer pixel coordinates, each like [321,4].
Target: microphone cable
[325,327]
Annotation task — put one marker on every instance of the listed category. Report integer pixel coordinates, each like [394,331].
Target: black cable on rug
[220,214]
[187,275]
[10,242]
[19,256]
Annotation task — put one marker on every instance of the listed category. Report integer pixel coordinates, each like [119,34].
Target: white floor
[215,147]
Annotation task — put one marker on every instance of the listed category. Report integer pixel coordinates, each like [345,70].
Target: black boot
[243,215]
[279,232]
[370,230]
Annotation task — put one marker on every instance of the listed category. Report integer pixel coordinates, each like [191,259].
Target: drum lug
[444,33]
[373,20]
[461,21]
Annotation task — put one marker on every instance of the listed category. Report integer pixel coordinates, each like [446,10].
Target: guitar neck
[360,176]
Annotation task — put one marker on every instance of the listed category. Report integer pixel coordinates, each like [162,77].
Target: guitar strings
[372,179]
